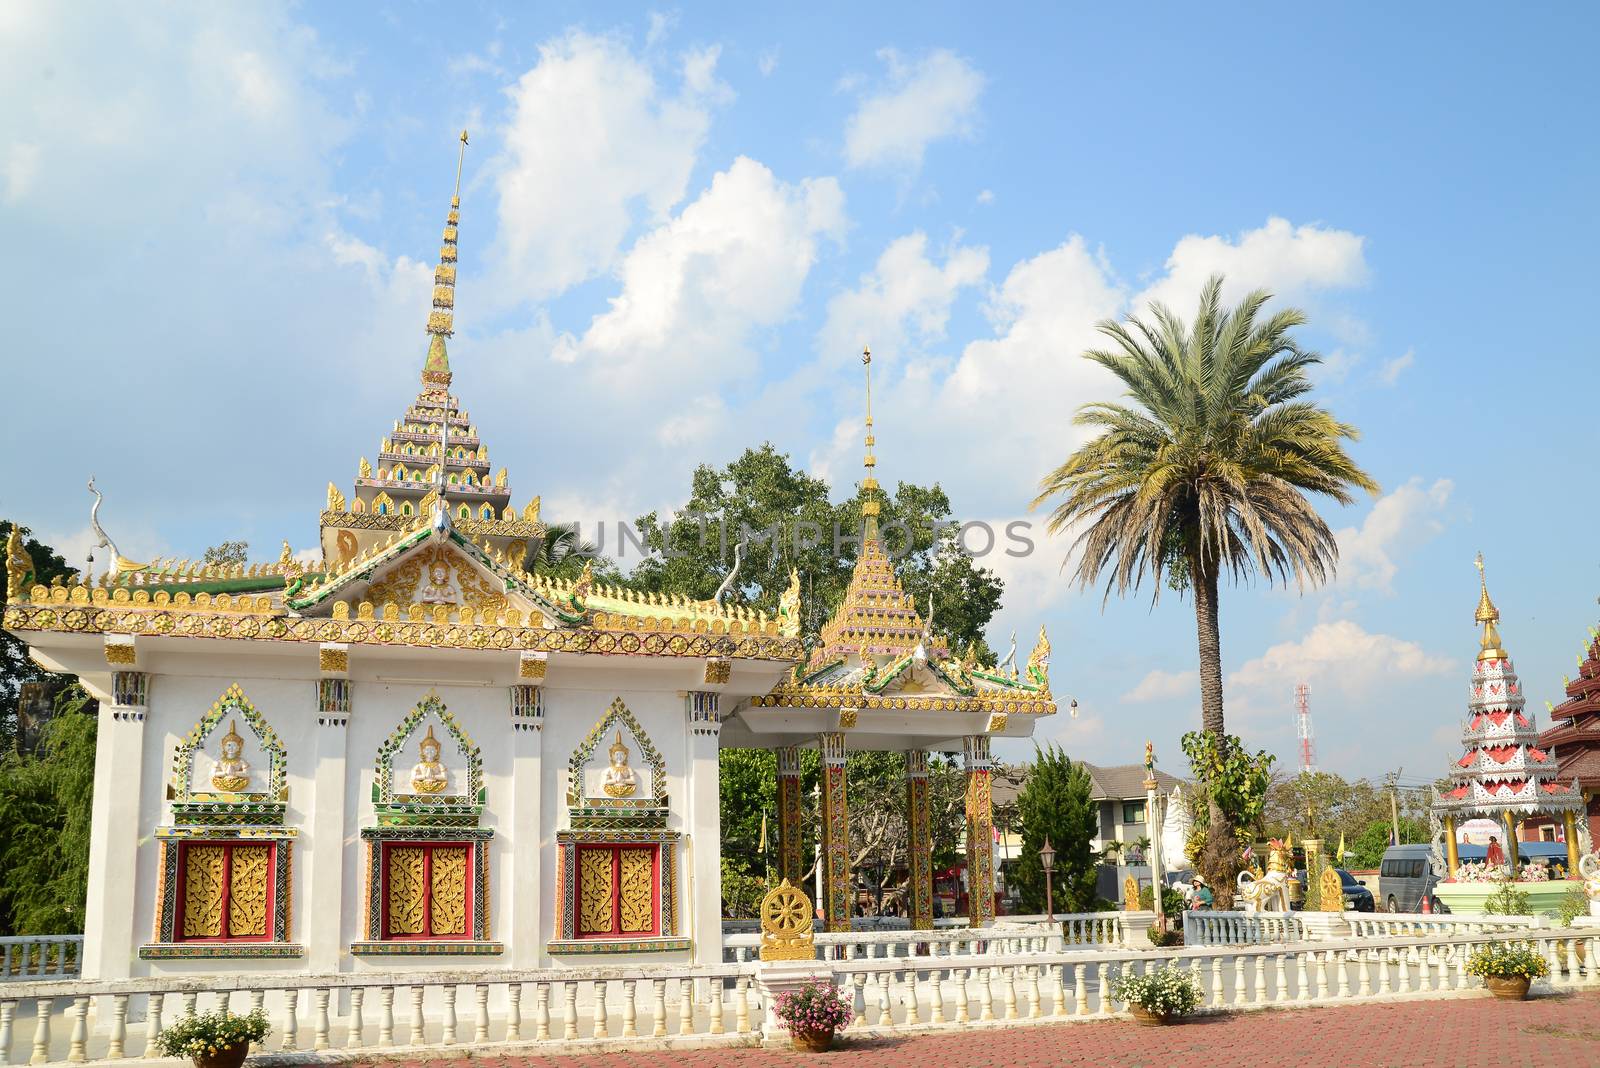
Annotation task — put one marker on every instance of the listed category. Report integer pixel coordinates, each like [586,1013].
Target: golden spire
[869,484]
[441,320]
[1488,615]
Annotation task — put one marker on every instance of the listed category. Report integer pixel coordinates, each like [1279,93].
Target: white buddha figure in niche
[619,779]
[439,589]
[429,776]
[231,774]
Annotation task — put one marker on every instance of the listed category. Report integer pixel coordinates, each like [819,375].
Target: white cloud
[1287,260]
[1341,653]
[1161,685]
[590,141]
[924,101]
[906,297]
[767,62]
[986,196]
[1391,370]
[1399,521]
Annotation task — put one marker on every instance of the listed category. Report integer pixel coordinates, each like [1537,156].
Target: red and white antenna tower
[1302,725]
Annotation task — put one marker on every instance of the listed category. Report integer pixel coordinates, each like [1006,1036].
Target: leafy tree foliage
[44,824]
[1366,848]
[786,520]
[1232,784]
[228,554]
[15,667]
[1055,803]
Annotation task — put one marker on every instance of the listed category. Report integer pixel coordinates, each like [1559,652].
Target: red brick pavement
[1456,1033]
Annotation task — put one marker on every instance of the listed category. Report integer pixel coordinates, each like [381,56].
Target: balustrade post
[685,1006]
[1261,981]
[1591,963]
[291,1017]
[569,1023]
[1059,995]
[116,1043]
[658,1008]
[714,990]
[1010,991]
[1280,978]
[513,1012]
[986,994]
[41,1030]
[541,1012]
[602,1025]
[913,1017]
[1217,995]
[936,1010]
[76,1053]
[354,1031]
[480,1024]
[418,1035]
[741,1004]
[386,1016]
[1325,981]
[1241,990]
[320,1023]
[630,1013]
[1102,980]
[1381,959]
[1343,972]
[1034,995]
[449,1036]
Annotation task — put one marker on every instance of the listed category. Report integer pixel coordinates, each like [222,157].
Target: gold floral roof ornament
[1488,615]
[19,565]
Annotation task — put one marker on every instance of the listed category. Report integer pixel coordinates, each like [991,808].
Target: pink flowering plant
[816,1008]
[1534,873]
[212,1032]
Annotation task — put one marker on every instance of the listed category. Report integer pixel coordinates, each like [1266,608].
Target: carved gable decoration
[616,765]
[438,574]
[231,759]
[429,770]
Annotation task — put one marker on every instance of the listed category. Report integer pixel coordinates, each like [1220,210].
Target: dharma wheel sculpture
[787,926]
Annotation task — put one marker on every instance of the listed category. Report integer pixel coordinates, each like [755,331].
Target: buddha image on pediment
[231,773]
[439,588]
[619,779]
[429,775]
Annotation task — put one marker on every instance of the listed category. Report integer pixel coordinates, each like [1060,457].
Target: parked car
[1357,898]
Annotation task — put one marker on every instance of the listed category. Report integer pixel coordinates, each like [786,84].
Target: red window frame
[427,935]
[227,889]
[615,849]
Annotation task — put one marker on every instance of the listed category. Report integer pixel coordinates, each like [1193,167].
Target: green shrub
[1575,904]
[1508,901]
[198,1036]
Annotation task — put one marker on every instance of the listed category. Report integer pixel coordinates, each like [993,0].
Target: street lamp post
[1047,858]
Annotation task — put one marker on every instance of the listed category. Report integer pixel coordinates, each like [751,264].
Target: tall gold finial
[1488,615]
[869,484]
[441,320]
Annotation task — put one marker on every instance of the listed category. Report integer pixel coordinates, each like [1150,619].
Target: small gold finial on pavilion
[1488,615]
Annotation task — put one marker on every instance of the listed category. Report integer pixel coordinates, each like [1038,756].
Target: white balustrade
[30,957]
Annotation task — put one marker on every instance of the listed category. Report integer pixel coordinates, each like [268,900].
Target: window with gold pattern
[618,891]
[427,890]
[225,891]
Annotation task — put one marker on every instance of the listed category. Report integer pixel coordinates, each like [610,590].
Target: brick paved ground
[1453,1033]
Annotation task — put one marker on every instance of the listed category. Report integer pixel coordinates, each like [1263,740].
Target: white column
[323,853]
[702,908]
[111,932]
[523,925]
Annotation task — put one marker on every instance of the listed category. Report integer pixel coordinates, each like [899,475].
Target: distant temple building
[1575,732]
[420,746]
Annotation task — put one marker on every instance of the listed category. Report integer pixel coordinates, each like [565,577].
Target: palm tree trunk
[1219,862]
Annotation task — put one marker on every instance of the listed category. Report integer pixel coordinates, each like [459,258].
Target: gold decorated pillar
[980,832]
[919,847]
[1513,854]
[835,834]
[1451,849]
[1569,828]
[791,855]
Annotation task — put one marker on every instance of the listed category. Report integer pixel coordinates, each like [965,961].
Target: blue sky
[680,224]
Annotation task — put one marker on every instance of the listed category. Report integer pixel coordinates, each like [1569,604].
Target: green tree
[1334,805]
[16,669]
[1366,848]
[1205,475]
[1055,803]
[228,554]
[786,520]
[45,809]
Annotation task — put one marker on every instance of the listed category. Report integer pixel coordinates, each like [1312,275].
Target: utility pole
[1394,808]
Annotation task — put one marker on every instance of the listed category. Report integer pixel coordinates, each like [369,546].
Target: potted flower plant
[1158,997]
[1507,968]
[812,1014]
[218,1039]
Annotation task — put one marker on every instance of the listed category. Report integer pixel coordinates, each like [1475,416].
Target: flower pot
[1149,1018]
[1512,987]
[226,1057]
[811,1041]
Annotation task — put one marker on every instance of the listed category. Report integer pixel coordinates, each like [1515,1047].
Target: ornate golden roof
[1489,647]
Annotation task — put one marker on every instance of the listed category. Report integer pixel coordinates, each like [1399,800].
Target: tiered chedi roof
[878,651]
[434,449]
[1504,769]
[1575,725]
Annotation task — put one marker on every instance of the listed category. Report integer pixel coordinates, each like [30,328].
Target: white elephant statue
[1589,868]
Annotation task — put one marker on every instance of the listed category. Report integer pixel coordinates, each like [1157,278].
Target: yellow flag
[1340,854]
[763,832]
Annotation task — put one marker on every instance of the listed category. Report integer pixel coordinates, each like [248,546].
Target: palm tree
[1204,475]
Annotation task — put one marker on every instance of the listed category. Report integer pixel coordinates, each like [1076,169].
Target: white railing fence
[331,1017]
[1203,928]
[1008,935]
[40,956]
[1409,924]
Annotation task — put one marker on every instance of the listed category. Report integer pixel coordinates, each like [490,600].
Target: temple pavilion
[422,746]
[1504,774]
[1574,733]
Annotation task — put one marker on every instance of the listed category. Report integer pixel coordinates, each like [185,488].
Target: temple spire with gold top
[869,483]
[1488,615]
[433,454]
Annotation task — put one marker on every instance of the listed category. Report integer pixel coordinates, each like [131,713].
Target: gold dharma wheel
[786,912]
